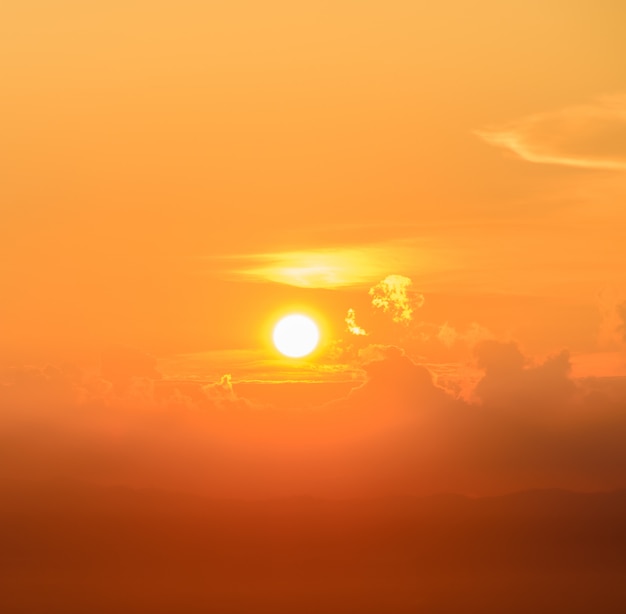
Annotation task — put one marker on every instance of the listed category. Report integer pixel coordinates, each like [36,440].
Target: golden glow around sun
[296,335]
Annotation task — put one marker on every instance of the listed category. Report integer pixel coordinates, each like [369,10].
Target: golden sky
[421,178]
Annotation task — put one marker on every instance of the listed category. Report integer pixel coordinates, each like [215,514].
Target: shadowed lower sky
[440,187]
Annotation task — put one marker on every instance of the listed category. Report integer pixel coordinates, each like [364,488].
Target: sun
[296,335]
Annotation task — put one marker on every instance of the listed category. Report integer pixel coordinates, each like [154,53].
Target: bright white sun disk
[296,336]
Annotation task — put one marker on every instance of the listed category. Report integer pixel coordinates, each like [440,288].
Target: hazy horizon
[435,191]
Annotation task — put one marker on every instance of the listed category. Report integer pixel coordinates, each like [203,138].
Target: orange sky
[176,176]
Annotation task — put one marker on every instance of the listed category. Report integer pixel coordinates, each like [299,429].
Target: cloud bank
[526,425]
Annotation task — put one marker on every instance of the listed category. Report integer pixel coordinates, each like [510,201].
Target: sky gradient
[441,187]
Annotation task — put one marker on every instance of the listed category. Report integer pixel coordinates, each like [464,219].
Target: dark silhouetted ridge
[71,547]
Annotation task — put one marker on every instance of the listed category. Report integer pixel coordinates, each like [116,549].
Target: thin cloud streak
[591,136]
[330,267]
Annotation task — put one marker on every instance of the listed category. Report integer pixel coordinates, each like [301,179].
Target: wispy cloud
[329,267]
[589,136]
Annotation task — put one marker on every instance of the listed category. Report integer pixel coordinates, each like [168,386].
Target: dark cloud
[530,425]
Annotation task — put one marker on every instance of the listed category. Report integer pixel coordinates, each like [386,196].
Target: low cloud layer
[526,425]
[589,136]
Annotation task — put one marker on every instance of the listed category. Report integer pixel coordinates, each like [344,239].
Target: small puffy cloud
[587,136]
[394,296]
[353,327]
